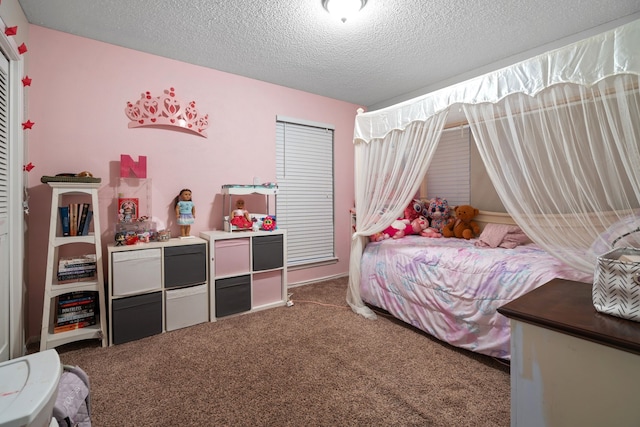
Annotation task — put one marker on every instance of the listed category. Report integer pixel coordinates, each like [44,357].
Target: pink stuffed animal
[395,231]
[402,227]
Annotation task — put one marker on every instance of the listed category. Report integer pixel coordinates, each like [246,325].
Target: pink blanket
[502,235]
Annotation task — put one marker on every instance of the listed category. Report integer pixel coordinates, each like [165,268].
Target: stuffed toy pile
[463,227]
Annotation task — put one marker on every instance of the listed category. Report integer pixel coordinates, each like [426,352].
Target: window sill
[301,265]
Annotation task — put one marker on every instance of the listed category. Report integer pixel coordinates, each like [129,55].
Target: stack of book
[75,310]
[75,219]
[78,267]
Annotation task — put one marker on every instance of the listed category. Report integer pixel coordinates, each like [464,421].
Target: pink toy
[414,210]
[269,223]
[402,227]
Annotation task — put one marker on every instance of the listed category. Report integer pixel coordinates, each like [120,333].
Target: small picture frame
[128,209]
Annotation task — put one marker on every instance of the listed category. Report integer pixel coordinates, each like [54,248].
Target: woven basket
[616,285]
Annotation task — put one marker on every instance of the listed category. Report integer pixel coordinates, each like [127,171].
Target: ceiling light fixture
[343,9]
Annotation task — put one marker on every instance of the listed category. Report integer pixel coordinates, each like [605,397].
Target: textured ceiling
[392,48]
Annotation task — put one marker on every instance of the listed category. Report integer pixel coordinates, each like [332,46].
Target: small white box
[136,271]
[186,307]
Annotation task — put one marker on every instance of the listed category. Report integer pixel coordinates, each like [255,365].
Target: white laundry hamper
[28,389]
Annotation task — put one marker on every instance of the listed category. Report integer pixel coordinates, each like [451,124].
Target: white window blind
[304,206]
[448,174]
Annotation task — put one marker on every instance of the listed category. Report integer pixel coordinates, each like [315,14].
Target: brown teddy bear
[463,227]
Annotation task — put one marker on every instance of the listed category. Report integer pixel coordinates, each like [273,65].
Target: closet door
[5,283]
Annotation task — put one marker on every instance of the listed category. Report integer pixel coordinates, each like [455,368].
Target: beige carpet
[313,364]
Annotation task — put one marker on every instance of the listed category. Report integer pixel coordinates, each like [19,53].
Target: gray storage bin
[136,317]
[233,295]
[267,252]
[185,265]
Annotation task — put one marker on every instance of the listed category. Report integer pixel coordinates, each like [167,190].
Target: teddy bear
[439,215]
[463,226]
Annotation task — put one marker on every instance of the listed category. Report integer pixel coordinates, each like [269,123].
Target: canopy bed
[559,135]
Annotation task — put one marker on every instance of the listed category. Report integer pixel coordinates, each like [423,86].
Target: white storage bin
[186,307]
[136,271]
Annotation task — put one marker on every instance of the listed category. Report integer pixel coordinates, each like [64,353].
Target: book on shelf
[78,269]
[81,312]
[85,227]
[77,295]
[67,319]
[75,298]
[70,277]
[76,261]
[74,326]
[64,220]
[73,219]
[79,308]
[75,309]
[83,211]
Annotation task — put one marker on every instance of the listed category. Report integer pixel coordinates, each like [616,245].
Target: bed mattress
[451,288]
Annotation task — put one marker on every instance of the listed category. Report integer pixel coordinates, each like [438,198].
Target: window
[304,206]
[448,174]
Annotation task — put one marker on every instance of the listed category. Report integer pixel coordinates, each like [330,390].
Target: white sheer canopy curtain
[566,162]
[559,135]
[388,173]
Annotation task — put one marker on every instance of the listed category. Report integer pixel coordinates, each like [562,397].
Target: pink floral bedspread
[451,288]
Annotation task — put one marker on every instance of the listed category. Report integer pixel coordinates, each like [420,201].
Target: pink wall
[77,99]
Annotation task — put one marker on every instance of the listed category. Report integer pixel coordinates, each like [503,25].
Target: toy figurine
[240,217]
[269,223]
[185,212]
[120,239]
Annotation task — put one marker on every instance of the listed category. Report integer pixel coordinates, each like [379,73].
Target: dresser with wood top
[571,365]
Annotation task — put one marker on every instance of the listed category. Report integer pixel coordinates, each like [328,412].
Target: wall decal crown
[166,110]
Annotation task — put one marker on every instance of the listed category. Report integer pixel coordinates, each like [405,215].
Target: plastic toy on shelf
[231,190]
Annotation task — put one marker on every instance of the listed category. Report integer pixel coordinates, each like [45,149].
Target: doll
[240,216]
[185,212]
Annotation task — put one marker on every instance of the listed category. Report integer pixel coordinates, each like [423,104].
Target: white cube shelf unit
[247,271]
[157,287]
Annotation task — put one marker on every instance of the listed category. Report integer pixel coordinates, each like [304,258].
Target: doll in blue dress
[185,212]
